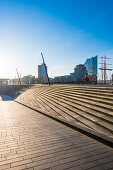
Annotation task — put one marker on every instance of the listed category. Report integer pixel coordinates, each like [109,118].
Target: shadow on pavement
[5,98]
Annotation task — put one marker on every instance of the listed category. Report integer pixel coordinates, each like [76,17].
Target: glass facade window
[42,73]
[80,68]
[39,71]
[82,73]
[61,79]
[78,76]
[91,66]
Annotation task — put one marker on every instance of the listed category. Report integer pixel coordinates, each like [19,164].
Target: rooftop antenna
[18,76]
[45,68]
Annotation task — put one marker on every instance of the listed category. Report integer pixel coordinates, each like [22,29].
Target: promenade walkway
[29,140]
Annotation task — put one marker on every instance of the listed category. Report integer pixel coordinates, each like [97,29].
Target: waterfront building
[80,68]
[79,74]
[3,81]
[29,79]
[39,72]
[14,81]
[42,76]
[78,77]
[61,79]
[91,67]
[83,73]
[86,72]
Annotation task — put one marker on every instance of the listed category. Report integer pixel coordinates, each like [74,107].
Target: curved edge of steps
[90,133]
[69,105]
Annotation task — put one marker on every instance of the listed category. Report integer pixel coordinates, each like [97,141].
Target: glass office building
[91,66]
[78,77]
[62,79]
[87,70]
[83,73]
[42,73]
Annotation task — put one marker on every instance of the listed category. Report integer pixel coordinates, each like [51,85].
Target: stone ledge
[95,135]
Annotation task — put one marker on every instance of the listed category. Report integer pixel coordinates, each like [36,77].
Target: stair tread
[91,107]
[84,115]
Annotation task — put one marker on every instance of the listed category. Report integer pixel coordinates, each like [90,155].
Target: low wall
[13,90]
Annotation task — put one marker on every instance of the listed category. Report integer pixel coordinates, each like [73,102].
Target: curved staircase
[90,107]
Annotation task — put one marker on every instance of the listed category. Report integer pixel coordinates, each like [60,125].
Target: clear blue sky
[67,32]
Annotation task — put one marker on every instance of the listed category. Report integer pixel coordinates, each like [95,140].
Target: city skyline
[67,32]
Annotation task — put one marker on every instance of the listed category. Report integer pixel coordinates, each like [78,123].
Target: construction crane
[45,69]
[18,76]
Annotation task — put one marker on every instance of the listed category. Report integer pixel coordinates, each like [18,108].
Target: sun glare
[4,67]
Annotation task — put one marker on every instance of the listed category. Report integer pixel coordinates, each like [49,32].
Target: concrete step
[73,103]
[87,104]
[83,97]
[91,107]
[86,100]
[53,106]
[85,89]
[81,113]
[103,100]
[85,93]
[45,105]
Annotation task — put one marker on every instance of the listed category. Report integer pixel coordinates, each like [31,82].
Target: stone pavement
[29,140]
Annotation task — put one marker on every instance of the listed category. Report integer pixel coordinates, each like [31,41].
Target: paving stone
[21,162]
[32,141]
[18,167]
[4,166]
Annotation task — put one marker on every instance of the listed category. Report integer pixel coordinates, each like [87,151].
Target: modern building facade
[78,77]
[62,79]
[92,67]
[83,73]
[80,68]
[42,76]
[79,74]
[29,79]
[39,72]
[3,81]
